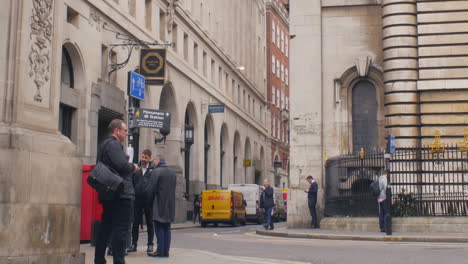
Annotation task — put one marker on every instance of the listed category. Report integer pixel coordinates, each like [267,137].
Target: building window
[195,55]
[282,72]
[113,60]
[205,64]
[253,108]
[273,59]
[148,13]
[186,47]
[162,25]
[248,105]
[278,37]
[174,36]
[233,90]
[226,83]
[286,47]
[243,99]
[65,120]
[286,76]
[220,77]
[67,69]
[72,16]
[282,41]
[273,31]
[212,71]
[273,93]
[278,98]
[286,102]
[104,62]
[364,114]
[132,7]
[238,94]
[278,71]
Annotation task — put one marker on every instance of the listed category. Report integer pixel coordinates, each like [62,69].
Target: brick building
[278,88]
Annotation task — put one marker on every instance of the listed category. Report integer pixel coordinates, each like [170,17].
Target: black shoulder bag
[103,179]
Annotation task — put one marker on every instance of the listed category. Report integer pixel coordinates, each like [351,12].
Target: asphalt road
[226,244]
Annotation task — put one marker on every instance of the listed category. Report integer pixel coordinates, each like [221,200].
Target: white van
[251,194]
[279,211]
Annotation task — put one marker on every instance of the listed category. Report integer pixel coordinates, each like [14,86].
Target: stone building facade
[57,97]
[277,39]
[365,69]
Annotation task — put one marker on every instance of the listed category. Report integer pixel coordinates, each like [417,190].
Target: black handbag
[104,180]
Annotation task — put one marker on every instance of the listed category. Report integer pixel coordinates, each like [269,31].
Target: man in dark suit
[267,202]
[116,215]
[312,197]
[163,186]
[143,201]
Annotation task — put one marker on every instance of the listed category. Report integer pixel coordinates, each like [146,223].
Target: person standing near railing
[381,199]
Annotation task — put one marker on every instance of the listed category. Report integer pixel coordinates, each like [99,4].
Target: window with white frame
[273,31]
[277,98]
[273,93]
[286,47]
[278,37]
[278,127]
[278,72]
[282,99]
[273,60]
[286,76]
[282,72]
[282,41]
[286,102]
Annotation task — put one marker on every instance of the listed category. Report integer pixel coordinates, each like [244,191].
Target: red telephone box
[91,209]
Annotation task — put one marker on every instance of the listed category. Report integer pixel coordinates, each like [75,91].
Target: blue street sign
[215,109]
[391,138]
[137,85]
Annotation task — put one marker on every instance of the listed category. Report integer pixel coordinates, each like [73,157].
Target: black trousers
[313,213]
[116,217]
[196,212]
[163,236]
[143,208]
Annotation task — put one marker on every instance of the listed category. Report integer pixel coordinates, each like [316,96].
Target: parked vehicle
[251,193]
[222,206]
[279,211]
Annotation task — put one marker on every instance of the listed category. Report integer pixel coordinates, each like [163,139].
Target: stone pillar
[306,108]
[400,48]
[40,175]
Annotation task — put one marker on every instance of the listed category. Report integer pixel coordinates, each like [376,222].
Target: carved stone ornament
[41,34]
[96,19]
[363,64]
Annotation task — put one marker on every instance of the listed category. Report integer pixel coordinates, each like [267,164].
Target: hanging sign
[153,65]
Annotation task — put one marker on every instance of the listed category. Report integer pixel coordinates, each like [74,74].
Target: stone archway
[224,145]
[248,177]
[208,153]
[236,158]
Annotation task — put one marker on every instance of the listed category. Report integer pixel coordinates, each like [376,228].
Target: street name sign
[137,85]
[212,109]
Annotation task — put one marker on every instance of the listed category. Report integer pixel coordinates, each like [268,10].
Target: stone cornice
[282,13]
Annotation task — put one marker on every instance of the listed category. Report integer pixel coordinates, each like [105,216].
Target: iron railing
[423,182]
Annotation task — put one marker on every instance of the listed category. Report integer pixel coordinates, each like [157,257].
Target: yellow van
[222,206]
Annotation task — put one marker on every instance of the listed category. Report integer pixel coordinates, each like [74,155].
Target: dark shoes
[149,249]
[265,226]
[132,248]
[271,227]
[158,255]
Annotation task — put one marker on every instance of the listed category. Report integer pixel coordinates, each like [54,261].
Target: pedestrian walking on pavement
[116,215]
[143,205]
[381,200]
[312,200]
[267,203]
[196,208]
[163,185]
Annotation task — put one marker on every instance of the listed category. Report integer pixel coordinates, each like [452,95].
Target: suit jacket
[163,186]
[266,200]
[141,182]
[113,155]
[312,194]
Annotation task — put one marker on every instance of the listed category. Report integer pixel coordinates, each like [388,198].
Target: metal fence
[424,183]
[347,184]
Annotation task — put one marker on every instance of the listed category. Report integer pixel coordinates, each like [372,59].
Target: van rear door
[216,204]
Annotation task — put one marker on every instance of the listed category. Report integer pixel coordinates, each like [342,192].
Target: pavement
[364,236]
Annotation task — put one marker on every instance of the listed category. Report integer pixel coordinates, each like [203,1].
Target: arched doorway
[222,155]
[189,125]
[208,150]
[168,103]
[364,114]
[247,156]
[236,153]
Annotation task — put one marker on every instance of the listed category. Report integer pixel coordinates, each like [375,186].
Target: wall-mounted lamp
[188,138]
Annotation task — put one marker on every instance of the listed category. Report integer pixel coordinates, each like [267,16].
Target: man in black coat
[312,197]
[267,203]
[143,201]
[163,186]
[116,215]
